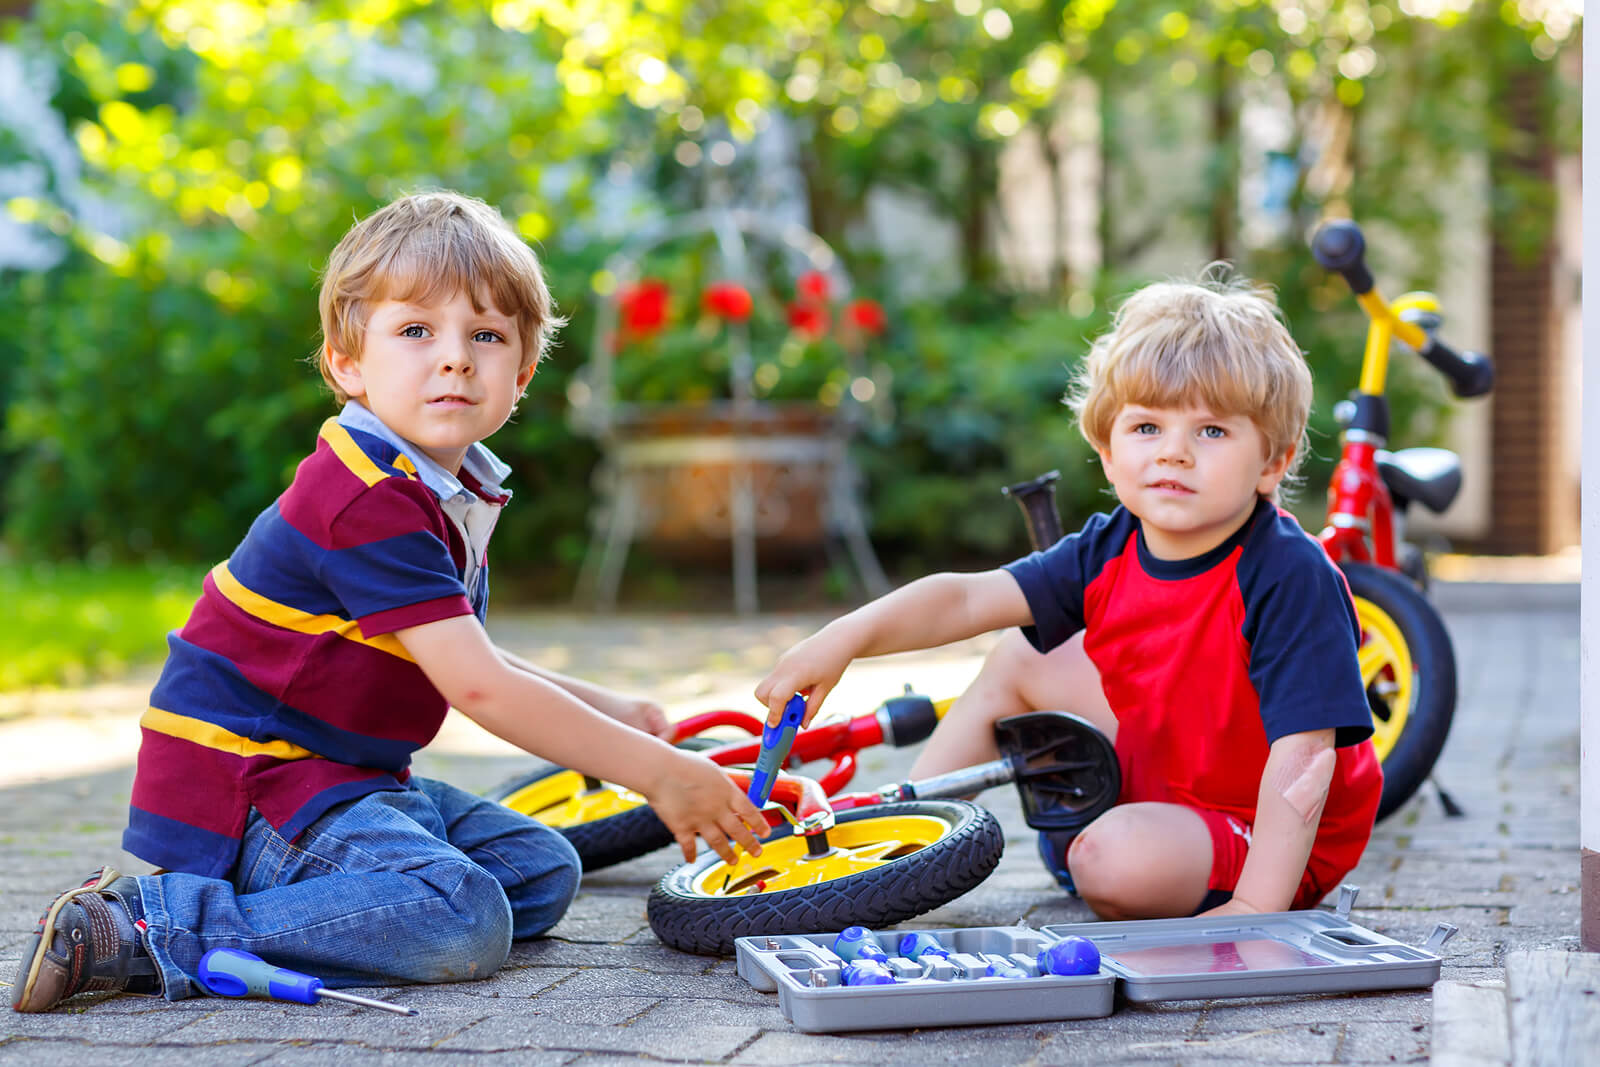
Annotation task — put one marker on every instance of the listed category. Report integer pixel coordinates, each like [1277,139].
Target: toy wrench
[775,744]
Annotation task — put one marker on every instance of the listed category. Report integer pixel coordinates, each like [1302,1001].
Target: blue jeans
[427,885]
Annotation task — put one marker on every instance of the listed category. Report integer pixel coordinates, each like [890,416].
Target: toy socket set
[860,979]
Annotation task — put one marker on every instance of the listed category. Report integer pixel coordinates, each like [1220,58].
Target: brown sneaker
[89,940]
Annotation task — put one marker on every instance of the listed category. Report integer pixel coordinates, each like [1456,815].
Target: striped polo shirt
[286,690]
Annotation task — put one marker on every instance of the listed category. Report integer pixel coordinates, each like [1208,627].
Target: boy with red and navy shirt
[273,785]
[1196,625]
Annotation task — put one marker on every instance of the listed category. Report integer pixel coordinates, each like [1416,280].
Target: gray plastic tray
[804,971]
[1289,952]
[1285,952]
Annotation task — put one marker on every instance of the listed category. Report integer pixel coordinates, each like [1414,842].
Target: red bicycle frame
[1360,524]
[899,721]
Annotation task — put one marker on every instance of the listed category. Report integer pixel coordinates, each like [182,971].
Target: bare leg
[1143,861]
[1015,679]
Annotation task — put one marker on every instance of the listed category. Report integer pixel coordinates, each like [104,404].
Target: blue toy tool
[775,743]
[231,972]
[1070,955]
[858,943]
[920,943]
[866,972]
[1000,967]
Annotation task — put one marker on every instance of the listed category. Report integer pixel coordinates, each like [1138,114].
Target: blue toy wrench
[775,742]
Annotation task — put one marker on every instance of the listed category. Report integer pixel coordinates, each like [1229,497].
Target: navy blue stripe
[318,806]
[205,685]
[272,562]
[399,571]
[377,449]
[178,846]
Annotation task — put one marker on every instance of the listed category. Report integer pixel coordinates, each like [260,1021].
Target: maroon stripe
[280,789]
[387,622]
[359,689]
[190,783]
[322,488]
[345,683]
[266,655]
[393,506]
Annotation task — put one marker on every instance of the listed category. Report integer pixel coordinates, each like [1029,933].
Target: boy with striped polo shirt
[273,786]
[1196,625]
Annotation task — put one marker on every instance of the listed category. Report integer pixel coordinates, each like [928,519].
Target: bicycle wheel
[883,864]
[606,823]
[1409,669]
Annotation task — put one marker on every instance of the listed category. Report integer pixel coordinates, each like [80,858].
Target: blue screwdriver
[232,972]
[775,743]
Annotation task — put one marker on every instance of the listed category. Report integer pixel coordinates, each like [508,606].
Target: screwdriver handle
[775,744]
[232,972]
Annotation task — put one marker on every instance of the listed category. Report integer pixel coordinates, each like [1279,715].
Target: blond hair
[1217,343]
[424,248]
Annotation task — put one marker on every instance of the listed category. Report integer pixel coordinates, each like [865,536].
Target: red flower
[808,320]
[643,306]
[727,300]
[867,316]
[812,286]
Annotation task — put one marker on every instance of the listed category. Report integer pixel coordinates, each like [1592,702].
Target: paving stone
[684,1040]
[978,1045]
[42,1052]
[604,991]
[313,1055]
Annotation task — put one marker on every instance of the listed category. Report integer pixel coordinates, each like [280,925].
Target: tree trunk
[1224,161]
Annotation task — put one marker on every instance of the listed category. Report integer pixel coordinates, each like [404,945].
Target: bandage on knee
[1303,781]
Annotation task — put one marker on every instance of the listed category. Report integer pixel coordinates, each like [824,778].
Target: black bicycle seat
[1066,769]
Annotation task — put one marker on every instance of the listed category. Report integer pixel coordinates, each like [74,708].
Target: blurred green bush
[155,385]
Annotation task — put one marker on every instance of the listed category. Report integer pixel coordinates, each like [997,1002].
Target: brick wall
[1533,510]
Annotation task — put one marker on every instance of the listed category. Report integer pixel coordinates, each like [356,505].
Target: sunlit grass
[68,624]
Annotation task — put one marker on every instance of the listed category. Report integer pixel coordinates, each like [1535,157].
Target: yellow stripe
[210,735]
[359,463]
[301,622]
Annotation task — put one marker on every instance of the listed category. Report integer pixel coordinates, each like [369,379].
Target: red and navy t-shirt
[287,690]
[1207,661]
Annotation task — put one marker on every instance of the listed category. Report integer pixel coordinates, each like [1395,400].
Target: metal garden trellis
[760,450]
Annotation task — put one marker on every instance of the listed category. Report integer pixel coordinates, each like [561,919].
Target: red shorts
[1230,844]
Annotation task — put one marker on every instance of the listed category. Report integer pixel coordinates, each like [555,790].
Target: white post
[1589,624]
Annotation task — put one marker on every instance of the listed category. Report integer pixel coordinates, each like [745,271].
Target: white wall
[1588,650]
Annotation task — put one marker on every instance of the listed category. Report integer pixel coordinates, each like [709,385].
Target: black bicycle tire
[898,890]
[614,839]
[1410,761]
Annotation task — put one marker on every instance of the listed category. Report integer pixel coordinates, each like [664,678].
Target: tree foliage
[157,389]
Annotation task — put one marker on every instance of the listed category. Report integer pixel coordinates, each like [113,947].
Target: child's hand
[693,796]
[637,712]
[813,667]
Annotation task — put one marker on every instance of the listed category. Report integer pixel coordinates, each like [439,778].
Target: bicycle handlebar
[1470,373]
[1339,246]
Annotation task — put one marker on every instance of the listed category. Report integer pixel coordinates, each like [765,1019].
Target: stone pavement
[601,990]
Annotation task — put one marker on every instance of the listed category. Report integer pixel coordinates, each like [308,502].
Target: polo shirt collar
[484,466]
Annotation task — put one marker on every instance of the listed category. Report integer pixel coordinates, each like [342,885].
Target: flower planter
[685,464]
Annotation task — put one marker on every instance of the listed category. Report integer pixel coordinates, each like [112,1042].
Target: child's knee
[1103,870]
[473,935]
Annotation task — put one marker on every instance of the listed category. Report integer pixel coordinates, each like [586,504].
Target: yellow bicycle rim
[562,799]
[854,846]
[1386,670]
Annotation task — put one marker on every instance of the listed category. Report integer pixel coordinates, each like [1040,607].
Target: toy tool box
[1313,951]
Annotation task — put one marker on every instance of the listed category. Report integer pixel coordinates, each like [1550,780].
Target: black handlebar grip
[1339,246]
[1470,373]
[1037,499]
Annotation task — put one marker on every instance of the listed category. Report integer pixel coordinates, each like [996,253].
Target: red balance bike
[1407,661]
